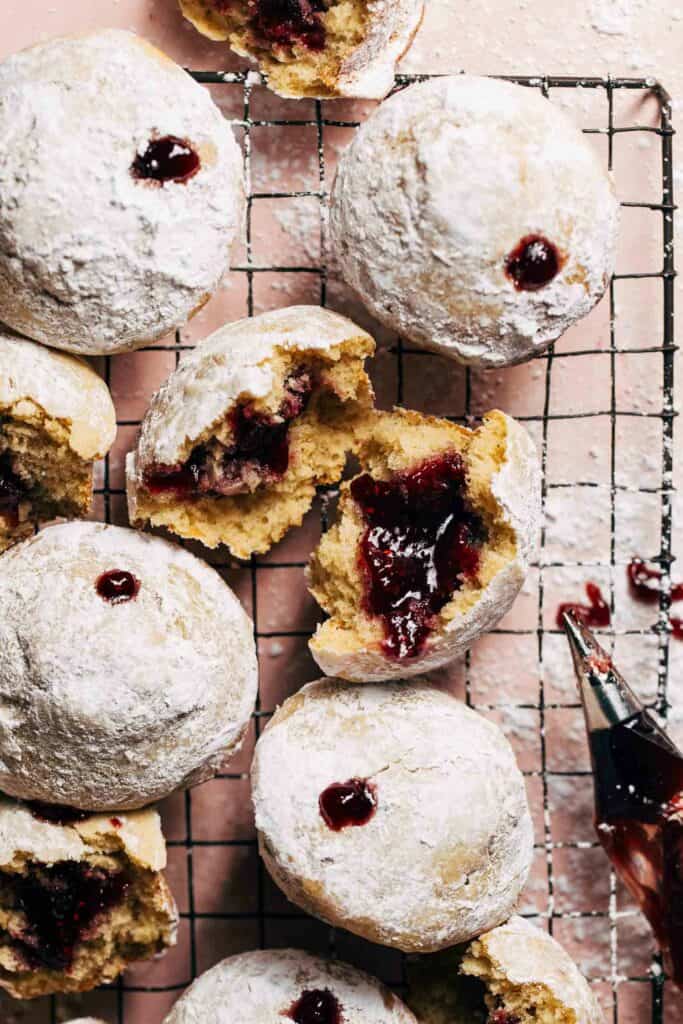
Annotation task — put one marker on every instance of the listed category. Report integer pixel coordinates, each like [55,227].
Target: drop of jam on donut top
[12,493]
[60,903]
[316,1006]
[595,614]
[167,159]
[117,586]
[287,22]
[422,542]
[258,452]
[343,804]
[533,263]
[56,814]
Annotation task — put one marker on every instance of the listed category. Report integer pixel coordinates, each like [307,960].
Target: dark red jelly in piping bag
[422,541]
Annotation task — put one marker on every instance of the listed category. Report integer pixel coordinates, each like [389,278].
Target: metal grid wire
[262,916]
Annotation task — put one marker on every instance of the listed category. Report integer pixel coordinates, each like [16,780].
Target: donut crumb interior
[52,478]
[293,68]
[331,424]
[398,441]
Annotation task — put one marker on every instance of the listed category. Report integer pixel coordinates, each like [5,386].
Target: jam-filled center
[316,1006]
[289,22]
[344,804]
[12,492]
[503,1017]
[167,159]
[257,453]
[422,541]
[60,905]
[56,814]
[117,586]
[533,263]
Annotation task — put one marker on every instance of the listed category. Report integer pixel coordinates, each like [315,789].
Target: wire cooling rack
[227,902]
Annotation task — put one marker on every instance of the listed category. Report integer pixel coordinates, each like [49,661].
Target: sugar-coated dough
[504,477]
[55,856]
[107,706]
[263,986]
[440,186]
[92,259]
[520,964]
[369,56]
[62,387]
[448,849]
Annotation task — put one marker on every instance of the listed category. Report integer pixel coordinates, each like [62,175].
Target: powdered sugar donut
[474,218]
[431,545]
[315,47]
[256,417]
[287,984]
[81,897]
[56,418]
[120,193]
[128,668]
[400,786]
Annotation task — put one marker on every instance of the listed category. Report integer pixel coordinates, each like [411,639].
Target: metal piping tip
[606,696]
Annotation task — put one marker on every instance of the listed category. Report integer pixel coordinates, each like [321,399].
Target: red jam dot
[532,264]
[595,614]
[60,905]
[348,803]
[116,822]
[316,1006]
[167,159]
[259,451]
[117,586]
[286,22]
[422,541]
[56,814]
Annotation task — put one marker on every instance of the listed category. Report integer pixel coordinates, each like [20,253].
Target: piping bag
[638,778]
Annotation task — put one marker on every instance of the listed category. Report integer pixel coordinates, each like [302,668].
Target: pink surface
[570,884]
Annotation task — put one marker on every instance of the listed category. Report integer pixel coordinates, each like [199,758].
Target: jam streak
[348,803]
[422,541]
[594,614]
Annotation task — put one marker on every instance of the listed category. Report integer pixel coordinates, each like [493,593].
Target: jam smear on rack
[259,451]
[56,814]
[60,903]
[12,493]
[316,1006]
[353,802]
[639,820]
[117,586]
[422,541]
[167,159]
[644,583]
[594,615]
[533,263]
[286,22]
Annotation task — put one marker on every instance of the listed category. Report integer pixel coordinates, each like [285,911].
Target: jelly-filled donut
[288,986]
[128,668]
[514,974]
[431,545]
[81,897]
[473,217]
[121,192]
[315,47]
[252,421]
[56,418]
[393,811]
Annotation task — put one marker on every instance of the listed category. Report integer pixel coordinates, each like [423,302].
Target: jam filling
[348,803]
[61,903]
[167,159]
[595,614]
[117,586]
[533,263]
[287,22]
[56,814]
[258,452]
[503,1017]
[12,493]
[422,541]
[316,1006]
